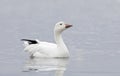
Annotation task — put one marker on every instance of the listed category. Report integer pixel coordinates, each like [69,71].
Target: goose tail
[26,43]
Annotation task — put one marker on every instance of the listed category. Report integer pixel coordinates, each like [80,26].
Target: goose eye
[60,23]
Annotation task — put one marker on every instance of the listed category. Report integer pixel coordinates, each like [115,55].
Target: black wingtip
[24,39]
[30,41]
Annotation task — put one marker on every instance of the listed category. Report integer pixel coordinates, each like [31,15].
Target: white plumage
[38,48]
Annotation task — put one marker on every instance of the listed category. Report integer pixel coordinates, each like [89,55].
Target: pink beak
[68,25]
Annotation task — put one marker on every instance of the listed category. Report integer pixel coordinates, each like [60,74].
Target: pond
[93,41]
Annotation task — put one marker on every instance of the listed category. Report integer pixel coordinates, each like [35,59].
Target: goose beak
[68,25]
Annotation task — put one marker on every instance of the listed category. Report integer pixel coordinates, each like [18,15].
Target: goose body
[38,48]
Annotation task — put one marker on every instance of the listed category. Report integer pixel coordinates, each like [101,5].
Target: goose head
[61,26]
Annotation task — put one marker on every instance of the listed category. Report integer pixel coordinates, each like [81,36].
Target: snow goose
[38,48]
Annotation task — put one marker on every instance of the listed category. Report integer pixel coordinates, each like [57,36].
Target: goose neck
[58,38]
[60,43]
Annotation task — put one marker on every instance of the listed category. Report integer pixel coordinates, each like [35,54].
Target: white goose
[37,48]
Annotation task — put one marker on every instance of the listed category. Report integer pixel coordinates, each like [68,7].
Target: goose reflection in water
[46,64]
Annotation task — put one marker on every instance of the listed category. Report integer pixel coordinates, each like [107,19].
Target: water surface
[93,41]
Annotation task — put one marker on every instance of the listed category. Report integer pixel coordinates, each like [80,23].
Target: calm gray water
[93,41]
